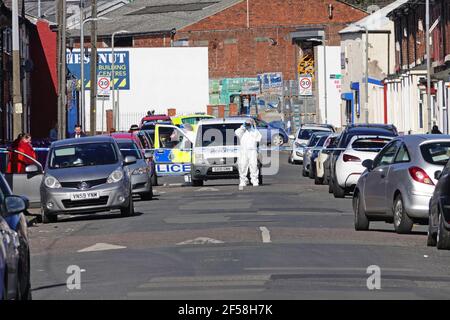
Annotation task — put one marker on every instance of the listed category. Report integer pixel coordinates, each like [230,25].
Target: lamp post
[113,91]
[82,23]
[427,37]
[366,107]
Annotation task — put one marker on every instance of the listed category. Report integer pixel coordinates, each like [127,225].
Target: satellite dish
[373,8]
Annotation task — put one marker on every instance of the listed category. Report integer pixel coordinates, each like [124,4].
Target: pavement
[287,239]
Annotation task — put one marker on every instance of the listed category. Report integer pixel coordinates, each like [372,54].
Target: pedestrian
[288,127]
[21,155]
[249,138]
[435,130]
[78,132]
[133,128]
[53,135]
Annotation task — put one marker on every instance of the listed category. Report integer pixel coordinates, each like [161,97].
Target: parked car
[216,151]
[145,146]
[321,162]
[85,176]
[399,183]
[346,182]
[156,118]
[271,135]
[439,217]
[14,246]
[140,172]
[302,138]
[312,143]
[192,119]
[313,153]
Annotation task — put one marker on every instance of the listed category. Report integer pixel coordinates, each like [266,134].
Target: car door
[27,184]
[173,151]
[376,179]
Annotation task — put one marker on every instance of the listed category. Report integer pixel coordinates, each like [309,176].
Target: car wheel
[128,211]
[431,239]
[338,191]
[311,173]
[443,236]
[317,180]
[197,183]
[147,196]
[277,140]
[304,173]
[330,186]
[360,218]
[291,160]
[49,218]
[24,285]
[402,222]
[260,179]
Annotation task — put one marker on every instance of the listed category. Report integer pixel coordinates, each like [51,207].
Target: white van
[216,151]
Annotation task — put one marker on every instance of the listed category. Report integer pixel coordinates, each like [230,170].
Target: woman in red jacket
[18,161]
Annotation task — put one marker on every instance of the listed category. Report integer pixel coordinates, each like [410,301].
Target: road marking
[207,189]
[101,247]
[200,240]
[265,235]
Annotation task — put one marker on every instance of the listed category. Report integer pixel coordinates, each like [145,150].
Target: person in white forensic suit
[249,138]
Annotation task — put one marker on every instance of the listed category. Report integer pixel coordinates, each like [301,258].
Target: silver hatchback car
[399,183]
[86,175]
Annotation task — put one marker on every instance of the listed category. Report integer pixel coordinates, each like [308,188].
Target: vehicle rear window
[83,155]
[436,153]
[369,144]
[129,149]
[218,135]
[305,134]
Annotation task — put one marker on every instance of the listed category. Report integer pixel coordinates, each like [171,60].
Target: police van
[216,150]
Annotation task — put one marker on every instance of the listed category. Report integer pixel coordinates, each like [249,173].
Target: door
[172,151]
[27,184]
[375,187]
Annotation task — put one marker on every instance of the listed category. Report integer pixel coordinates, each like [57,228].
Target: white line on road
[102,247]
[265,235]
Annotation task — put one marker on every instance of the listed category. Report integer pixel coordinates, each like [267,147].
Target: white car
[329,144]
[301,140]
[349,163]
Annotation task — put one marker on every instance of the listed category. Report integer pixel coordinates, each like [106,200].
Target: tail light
[420,175]
[349,158]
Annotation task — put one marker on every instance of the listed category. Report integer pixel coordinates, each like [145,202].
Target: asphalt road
[287,239]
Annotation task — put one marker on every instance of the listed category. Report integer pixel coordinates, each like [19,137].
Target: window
[436,153]
[369,144]
[218,135]
[170,138]
[83,155]
[386,156]
[129,149]
[402,155]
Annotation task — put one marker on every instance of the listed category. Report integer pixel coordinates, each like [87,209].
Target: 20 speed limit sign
[305,84]
[104,86]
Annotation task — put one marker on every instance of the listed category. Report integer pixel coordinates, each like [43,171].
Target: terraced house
[406,89]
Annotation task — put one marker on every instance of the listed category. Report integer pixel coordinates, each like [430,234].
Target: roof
[90,139]
[419,138]
[159,16]
[374,22]
[223,120]
[123,135]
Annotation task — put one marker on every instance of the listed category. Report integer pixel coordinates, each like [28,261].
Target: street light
[324,42]
[82,22]
[115,110]
[427,36]
[366,107]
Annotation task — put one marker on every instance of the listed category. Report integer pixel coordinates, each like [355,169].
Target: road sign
[104,86]
[305,85]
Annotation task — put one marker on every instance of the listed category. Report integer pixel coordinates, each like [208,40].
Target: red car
[143,143]
[155,118]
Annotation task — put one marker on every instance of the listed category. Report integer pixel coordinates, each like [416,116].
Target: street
[287,239]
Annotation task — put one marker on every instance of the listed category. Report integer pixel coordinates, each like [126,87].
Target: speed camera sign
[305,84]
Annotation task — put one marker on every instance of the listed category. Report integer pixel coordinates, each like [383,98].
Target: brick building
[245,38]
[406,89]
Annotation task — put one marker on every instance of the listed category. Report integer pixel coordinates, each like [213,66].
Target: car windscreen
[313,141]
[321,141]
[210,135]
[148,126]
[129,149]
[369,144]
[436,153]
[305,134]
[83,155]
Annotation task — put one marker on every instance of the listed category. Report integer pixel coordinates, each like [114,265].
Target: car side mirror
[368,164]
[31,169]
[438,174]
[129,160]
[14,205]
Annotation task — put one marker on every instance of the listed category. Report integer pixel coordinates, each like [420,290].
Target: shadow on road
[417,233]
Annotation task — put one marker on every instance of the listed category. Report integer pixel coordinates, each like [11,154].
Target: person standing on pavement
[23,157]
[53,135]
[249,138]
[435,130]
[78,132]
